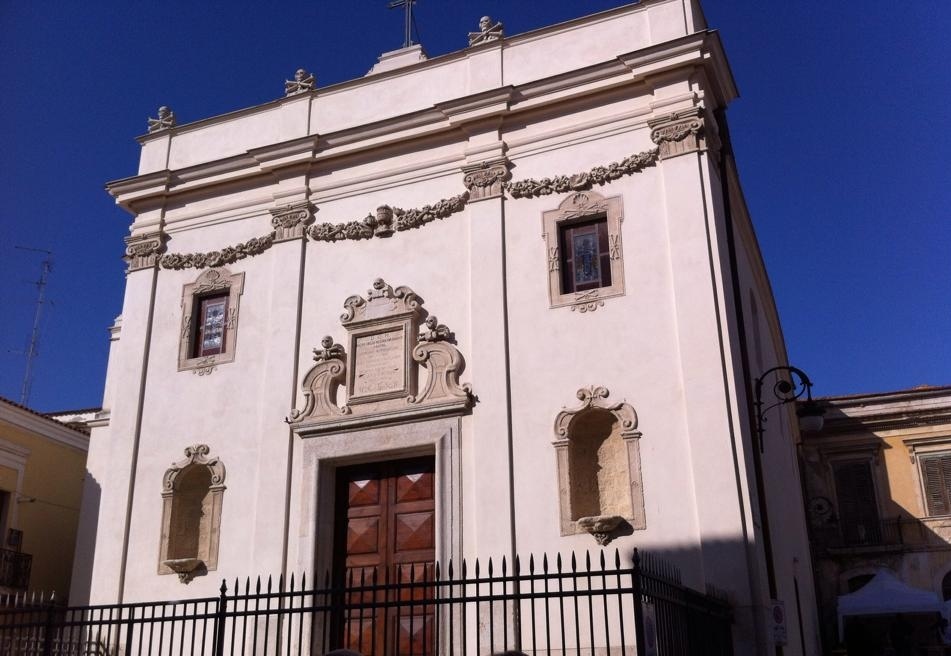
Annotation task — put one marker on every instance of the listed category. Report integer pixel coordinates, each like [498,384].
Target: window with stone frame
[585,257]
[192,494]
[936,482]
[209,320]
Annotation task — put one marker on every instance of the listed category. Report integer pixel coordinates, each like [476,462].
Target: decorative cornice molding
[599,175]
[291,221]
[485,180]
[142,251]
[227,255]
[678,133]
[384,223]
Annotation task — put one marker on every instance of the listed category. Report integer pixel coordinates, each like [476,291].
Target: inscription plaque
[379,363]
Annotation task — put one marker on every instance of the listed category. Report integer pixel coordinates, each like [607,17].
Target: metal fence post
[48,630]
[638,605]
[220,620]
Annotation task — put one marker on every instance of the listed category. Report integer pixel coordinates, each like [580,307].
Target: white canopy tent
[885,594]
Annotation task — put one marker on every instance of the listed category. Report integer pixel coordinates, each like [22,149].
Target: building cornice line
[27,420]
[444,118]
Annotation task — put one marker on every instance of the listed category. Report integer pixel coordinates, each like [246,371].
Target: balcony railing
[15,569]
[851,534]
[543,607]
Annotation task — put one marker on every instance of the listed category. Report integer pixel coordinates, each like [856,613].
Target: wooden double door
[385,538]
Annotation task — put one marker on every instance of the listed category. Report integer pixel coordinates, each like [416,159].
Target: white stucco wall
[668,346]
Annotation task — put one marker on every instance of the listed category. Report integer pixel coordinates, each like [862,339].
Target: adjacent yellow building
[878,496]
[42,466]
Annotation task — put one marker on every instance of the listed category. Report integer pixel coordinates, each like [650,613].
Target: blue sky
[841,133]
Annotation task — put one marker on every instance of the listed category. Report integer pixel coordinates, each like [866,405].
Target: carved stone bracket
[601,527]
[143,251]
[678,133]
[599,175]
[291,221]
[485,180]
[380,367]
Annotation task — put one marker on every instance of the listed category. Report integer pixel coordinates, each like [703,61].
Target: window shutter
[936,474]
[858,509]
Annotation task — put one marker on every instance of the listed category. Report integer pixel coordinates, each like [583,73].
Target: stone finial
[435,331]
[303,81]
[165,120]
[381,225]
[489,30]
[328,350]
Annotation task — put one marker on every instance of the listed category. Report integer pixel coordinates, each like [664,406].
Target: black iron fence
[15,569]
[552,607]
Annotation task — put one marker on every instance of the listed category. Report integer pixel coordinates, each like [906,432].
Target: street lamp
[787,390]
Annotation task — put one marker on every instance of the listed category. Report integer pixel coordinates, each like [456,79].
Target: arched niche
[599,467]
[192,491]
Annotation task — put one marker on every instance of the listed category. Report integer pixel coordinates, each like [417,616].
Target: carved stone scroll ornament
[599,175]
[143,251]
[444,363]
[197,454]
[678,133]
[485,180]
[381,300]
[227,255]
[291,221]
[322,382]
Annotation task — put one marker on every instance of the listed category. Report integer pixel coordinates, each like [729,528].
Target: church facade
[514,309]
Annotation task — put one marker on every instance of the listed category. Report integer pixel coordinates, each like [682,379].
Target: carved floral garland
[387,219]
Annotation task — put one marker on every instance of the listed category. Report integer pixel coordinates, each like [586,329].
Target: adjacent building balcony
[15,569]
[883,535]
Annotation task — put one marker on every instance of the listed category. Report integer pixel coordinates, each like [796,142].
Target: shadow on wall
[81,583]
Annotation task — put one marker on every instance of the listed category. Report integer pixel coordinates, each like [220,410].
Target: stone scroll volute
[380,366]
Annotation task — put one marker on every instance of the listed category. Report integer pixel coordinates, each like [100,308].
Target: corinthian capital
[678,133]
[142,251]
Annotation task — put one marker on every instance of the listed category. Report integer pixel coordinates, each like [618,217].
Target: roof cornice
[30,421]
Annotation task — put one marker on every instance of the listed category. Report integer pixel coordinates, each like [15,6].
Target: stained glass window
[211,326]
[585,255]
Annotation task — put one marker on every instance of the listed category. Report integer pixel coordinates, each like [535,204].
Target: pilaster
[492,514]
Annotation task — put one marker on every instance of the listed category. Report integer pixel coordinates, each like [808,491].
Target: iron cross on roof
[408,21]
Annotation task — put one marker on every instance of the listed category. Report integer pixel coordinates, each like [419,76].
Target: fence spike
[224,588]
[449,569]
[258,586]
[477,568]
[636,559]
[490,567]
[602,560]
[545,563]
[531,563]
[504,566]
[558,562]
[516,567]
[303,582]
[574,562]
[269,583]
[292,581]
[436,572]
[617,558]
[280,582]
[463,568]
[587,560]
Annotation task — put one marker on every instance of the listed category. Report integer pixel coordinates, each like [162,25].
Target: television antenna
[33,349]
